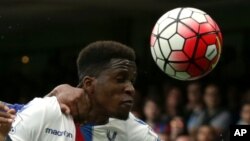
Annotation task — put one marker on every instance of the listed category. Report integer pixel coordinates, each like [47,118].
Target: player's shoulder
[47,105]
[41,119]
[132,120]
[139,130]
[134,128]
[40,101]
[44,100]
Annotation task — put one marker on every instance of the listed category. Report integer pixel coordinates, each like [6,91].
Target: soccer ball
[186,43]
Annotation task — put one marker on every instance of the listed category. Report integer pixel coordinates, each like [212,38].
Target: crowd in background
[195,112]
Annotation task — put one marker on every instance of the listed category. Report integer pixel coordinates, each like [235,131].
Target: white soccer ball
[186,43]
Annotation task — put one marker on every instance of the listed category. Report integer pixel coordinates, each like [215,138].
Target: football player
[106,71]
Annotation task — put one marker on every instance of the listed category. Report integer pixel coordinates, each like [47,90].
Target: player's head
[107,70]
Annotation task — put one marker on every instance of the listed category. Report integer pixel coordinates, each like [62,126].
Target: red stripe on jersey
[79,136]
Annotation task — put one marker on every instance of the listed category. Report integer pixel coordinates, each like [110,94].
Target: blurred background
[40,41]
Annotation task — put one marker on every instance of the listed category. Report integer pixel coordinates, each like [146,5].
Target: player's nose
[129,89]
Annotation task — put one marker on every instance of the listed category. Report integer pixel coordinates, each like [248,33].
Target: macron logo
[58,133]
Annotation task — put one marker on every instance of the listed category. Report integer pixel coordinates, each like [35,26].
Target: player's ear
[87,84]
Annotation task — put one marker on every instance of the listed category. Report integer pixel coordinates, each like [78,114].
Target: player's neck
[96,118]
[93,116]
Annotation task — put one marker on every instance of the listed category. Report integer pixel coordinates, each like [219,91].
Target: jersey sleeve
[15,106]
[31,118]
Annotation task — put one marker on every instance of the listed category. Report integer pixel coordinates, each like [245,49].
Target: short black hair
[93,58]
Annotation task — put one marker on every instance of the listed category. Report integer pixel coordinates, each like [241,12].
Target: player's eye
[133,81]
[120,79]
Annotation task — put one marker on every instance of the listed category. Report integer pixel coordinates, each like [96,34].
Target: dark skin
[111,93]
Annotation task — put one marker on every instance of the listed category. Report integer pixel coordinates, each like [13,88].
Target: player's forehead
[122,63]
[117,64]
